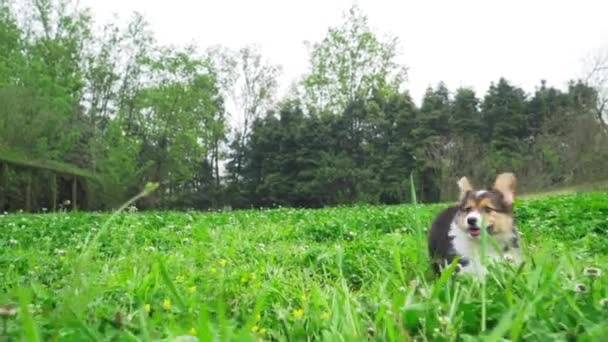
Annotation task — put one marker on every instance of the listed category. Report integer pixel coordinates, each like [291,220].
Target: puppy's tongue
[474,231]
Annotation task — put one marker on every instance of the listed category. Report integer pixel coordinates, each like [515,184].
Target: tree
[432,137]
[177,115]
[595,75]
[349,64]
[504,117]
[254,87]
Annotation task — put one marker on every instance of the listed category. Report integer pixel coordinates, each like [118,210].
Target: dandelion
[192,331]
[167,304]
[223,262]
[255,328]
[213,270]
[604,303]
[13,242]
[147,308]
[298,313]
[325,315]
[263,331]
[580,288]
[592,272]
[192,289]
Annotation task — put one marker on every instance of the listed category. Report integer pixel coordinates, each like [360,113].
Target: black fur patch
[440,243]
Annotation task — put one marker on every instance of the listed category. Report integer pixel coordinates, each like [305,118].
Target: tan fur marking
[506,184]
[465,186]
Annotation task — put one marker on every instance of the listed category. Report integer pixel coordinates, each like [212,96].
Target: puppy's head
[494,206]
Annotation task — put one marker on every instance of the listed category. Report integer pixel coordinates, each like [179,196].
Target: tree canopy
[206,123]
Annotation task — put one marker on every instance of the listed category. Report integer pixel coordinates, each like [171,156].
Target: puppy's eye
[488,209]
[467,208]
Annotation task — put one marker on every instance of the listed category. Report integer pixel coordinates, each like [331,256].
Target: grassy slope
[352,273]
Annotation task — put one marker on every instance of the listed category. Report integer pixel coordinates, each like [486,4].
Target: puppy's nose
[472,221]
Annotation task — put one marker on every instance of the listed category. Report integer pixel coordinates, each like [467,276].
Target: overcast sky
[463,43]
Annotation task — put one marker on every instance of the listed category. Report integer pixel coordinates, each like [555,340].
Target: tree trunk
[4,187]
[74,193]
[53,186]
[28,191]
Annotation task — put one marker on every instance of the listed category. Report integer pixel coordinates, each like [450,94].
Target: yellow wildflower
[147,308]
[299,313]
[213,270]
[192,289]
[325,315]
[167,304]
[255,328]
[223,262]
[258,317]
[192,331]
[263,331]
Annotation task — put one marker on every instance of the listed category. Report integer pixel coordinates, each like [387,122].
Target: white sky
[463,43]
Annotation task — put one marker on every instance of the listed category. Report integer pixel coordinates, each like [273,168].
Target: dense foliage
[294,274]
[113,101]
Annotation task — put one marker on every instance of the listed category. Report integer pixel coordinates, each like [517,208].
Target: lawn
[356,273]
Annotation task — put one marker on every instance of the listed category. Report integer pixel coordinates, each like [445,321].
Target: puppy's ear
[465,186]
[506,183]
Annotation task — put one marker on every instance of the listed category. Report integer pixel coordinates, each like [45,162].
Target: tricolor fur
[456,231]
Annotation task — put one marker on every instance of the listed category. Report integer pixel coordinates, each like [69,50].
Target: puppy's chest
[470,249]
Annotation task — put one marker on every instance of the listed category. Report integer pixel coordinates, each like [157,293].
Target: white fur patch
[469,247]
[480,193]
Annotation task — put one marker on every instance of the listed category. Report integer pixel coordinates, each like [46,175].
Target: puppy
[456,231]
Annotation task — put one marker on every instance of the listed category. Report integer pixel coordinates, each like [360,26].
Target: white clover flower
[592,272]
[580,288]
[443,320]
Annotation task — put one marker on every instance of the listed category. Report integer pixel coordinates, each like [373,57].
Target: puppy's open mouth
[474,231]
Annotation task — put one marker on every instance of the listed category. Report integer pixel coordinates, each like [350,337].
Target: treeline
[113,101]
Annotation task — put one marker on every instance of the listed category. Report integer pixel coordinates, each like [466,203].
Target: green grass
[341,274]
